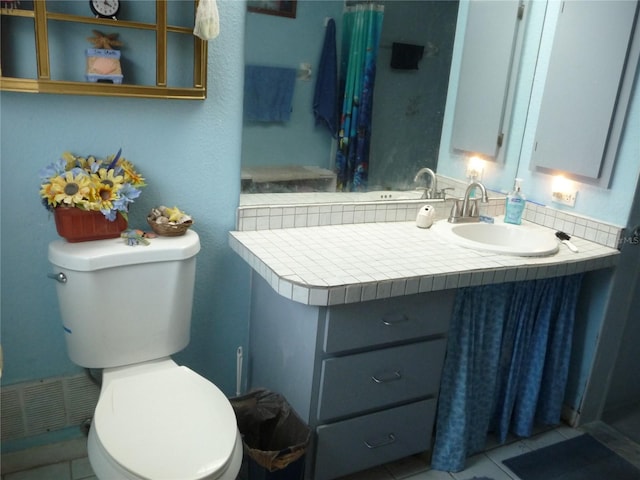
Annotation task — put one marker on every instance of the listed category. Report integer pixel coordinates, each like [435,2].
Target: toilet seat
[166,424]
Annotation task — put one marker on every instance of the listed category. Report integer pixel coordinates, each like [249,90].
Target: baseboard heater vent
[50,404]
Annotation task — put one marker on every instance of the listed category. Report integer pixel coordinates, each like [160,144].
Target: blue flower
[53,170]
[94,167]
[109,214]
[126,195]
[78,171]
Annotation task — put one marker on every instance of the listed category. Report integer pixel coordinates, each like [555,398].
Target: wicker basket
[169,229]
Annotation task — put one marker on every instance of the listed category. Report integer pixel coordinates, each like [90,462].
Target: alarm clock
[105,8]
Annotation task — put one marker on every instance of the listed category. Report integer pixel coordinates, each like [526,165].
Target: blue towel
[268,93]
[325,99]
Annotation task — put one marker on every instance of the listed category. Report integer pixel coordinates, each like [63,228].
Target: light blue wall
[189,152]
[611,205]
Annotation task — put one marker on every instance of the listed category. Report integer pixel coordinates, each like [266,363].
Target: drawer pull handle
[391,438]
[392,378]
[391,322]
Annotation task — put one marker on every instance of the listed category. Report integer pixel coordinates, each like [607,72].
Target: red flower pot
[76,225]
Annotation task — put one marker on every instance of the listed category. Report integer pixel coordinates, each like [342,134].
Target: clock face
[105,8]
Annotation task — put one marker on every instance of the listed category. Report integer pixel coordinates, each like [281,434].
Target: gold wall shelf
[43,83]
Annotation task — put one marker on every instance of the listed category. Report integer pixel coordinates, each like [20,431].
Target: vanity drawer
[379,322]
[359,443]
[366,381]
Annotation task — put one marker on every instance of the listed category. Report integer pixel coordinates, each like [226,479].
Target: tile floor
[71,470]
[489,464]
[61,461]
[75,465]
[626,420]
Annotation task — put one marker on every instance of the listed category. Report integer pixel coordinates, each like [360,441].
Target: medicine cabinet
[489,66]
[44,43]
[588,83]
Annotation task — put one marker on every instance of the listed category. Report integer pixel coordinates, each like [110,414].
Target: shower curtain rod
[374,3]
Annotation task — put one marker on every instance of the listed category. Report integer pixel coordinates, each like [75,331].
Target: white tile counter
[332,265]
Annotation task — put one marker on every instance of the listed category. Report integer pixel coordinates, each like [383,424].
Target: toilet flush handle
[60,277]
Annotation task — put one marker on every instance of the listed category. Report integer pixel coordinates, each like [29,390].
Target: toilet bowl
[160,421]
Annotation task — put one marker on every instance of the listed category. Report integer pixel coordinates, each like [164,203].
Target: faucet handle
[442,193]
[425,192]
[473,209]
[456,208]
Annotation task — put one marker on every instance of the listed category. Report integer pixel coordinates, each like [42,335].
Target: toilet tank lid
[99,254]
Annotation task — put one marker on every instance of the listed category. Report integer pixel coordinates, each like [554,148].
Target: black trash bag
[273,434]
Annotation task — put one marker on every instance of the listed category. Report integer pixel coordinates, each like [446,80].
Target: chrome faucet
[466,210]
[432,189]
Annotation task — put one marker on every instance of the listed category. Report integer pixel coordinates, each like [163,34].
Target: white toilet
[126,310]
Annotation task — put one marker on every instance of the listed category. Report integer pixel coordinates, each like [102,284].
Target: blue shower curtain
[506,366]
[362,25]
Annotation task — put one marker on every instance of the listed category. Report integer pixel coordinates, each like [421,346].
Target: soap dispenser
[515,204]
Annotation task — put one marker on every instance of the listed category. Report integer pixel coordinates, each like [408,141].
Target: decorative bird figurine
[104,41]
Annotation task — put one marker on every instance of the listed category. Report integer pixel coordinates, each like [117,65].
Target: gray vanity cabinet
[364,376]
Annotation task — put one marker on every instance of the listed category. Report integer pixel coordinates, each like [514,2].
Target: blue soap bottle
[515,204]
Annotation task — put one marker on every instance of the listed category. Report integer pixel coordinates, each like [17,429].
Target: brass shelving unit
[45,84]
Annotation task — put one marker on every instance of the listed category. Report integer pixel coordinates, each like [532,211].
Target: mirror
[303,145]
[408,104]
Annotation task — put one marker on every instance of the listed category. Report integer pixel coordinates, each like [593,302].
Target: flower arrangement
[88,183]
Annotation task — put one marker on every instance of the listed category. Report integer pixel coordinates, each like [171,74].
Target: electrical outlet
[565,198]
[474,173]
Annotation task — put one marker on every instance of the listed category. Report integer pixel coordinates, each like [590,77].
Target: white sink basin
[526,240]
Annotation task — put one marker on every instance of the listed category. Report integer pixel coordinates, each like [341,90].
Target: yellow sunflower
[107,186]
[108,178]
[48,193]
[71,190]
[130,174]
[105,195]
[70,158]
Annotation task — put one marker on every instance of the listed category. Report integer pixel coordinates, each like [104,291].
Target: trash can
[274,437]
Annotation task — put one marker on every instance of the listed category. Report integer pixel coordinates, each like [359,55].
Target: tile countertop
[333,265]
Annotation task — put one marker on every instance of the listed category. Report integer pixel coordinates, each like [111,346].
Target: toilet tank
[125,304]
